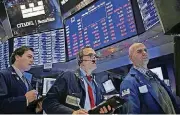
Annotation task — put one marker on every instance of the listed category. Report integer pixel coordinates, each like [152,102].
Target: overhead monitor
[66,5]
[169,14]
[47,84]
[101,24]
[148,13]
[4,55]
[28,17]
[49,47]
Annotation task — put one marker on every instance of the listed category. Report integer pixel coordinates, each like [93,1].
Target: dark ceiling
[2,11]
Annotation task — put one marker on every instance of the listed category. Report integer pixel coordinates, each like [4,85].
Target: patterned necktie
[151,74]
[90,92]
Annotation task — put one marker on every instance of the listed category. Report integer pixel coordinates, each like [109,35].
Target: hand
[80,111]
[39,107]
[31,95]
[106,109]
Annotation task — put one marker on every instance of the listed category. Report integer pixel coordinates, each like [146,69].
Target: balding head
[133,48]
[138,54]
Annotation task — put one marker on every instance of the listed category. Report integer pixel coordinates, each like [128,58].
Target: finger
[109,108]
[82,112]
[101,110]
[105,110]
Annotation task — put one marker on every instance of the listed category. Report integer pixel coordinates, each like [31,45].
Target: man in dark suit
[16,93]
[144,92]
[73,91]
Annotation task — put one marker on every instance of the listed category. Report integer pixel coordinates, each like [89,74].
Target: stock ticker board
[103,23]
[4,55]
[49,47]
[148,13]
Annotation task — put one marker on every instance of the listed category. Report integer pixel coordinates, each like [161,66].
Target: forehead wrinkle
[134,47]
[88,50]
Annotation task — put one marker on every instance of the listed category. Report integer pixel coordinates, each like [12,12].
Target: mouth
[145,58]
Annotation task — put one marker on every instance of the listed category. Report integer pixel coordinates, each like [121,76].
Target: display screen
[47,84]
[148,13]
[103,23]
[49,47]
[66,5]
[28,16]
[4,55]
[169,16]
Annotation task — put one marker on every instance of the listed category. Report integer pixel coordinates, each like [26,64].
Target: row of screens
[106,22]
[4,55]
[100,24]
[148,13]
[49,47]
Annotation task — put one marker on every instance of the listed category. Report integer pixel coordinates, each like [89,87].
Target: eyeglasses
[92,55]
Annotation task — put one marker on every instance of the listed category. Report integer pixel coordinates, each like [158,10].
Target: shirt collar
[19,73]
[142,70]
[83,73]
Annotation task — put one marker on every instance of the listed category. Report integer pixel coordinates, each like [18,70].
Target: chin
[92,69]
[27,69]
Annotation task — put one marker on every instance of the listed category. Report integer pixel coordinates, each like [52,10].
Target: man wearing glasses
[144,92]
[73,91]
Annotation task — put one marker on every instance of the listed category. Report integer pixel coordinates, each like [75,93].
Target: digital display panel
[148,13]
[103,23]
[66,5]
[49,47]
[29,16]
[4,55]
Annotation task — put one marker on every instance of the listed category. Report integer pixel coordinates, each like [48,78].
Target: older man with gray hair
[142,89]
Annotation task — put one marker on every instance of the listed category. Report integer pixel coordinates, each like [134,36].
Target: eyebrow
[30,55]
[141,49]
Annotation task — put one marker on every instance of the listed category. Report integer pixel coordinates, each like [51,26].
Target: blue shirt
[87,105]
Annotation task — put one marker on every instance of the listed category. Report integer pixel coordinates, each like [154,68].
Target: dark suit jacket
[12,93]
[68,84]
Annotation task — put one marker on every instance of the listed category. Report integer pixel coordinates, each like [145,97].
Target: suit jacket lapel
[144,81]
[78,75]
[19,80]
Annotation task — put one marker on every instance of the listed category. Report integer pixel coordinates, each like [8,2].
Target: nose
[145,54]
[144,51]
[32,60]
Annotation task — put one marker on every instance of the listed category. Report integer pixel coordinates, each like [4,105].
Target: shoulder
[68,75]
[129,82]
[5,75]
[129,78]
[6,72]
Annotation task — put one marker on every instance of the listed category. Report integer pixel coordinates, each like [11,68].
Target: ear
[17,57]
[130,57]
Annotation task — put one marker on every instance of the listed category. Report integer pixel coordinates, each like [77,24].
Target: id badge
[108,86]
[143,89]
[72,100]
